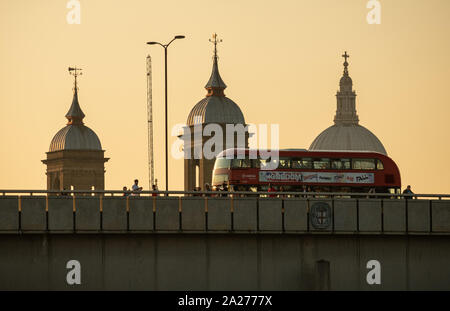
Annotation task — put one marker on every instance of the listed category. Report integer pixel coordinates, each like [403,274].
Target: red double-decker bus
[302,170]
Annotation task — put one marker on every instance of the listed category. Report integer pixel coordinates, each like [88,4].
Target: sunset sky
[281,61]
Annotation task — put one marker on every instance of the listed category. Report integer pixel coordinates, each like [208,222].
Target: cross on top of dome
[345,56]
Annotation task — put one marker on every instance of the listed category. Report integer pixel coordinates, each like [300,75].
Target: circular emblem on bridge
[320,215]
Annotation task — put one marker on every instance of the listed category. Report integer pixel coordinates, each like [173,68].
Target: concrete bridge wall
[193,243]
[200,214]
[223,261]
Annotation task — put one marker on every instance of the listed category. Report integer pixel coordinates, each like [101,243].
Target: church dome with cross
[215,107]
[347,133]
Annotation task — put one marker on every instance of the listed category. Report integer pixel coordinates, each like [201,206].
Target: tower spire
[215,41]
[75,115]
[345,56]
[346,98]
[215,85]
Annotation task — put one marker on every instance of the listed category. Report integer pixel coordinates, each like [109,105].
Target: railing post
[180,214]
[357,215]
[431,215]
[307,214]
[206,213]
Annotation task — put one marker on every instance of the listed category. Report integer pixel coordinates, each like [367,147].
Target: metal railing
[284,194]
[41,207]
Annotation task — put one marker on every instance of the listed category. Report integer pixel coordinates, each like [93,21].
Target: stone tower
[75,159]
[215,110]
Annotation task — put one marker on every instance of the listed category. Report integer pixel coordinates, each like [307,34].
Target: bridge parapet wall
[59,214]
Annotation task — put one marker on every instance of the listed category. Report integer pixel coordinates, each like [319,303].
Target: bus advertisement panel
[316,177]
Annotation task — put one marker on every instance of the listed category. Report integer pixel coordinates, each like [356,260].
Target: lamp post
[165,46]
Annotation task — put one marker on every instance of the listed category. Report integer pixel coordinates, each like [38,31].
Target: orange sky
[280,59]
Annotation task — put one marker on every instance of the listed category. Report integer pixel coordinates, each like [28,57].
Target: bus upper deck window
[336,164]
[264,163]
[284,163]
[307,163]
[241,163]
[222,163]
[275,162]
[380,165]
[246,163]
[321,164]
[346,163]
[363,164]
[296,163]
[340,164]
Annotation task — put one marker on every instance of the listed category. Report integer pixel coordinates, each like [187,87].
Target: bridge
[241,241]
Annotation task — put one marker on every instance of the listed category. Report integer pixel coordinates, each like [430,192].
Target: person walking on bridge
[136,189]
[408,192]
[271,189]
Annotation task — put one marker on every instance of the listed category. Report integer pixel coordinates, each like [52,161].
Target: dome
[75,137]
[347,137]
[216,109]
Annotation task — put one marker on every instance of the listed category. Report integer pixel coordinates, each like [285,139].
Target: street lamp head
[151,43]
[180,37]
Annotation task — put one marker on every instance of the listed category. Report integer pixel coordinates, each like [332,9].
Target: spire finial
[75,115]
[345,56]
[215,41]
[215,85]
[74,71]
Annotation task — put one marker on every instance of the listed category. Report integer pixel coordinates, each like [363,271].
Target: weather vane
[215,41]
[74,71]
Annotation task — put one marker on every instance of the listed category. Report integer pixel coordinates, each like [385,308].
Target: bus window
[380,165]
[263,163]
[284,163]
[363,164]
[301,163]
[275,162]
[340,164]
[222,163]
[307,163]
[321,164]
[219,179]
[246,163]
[296,163]
[240,163]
